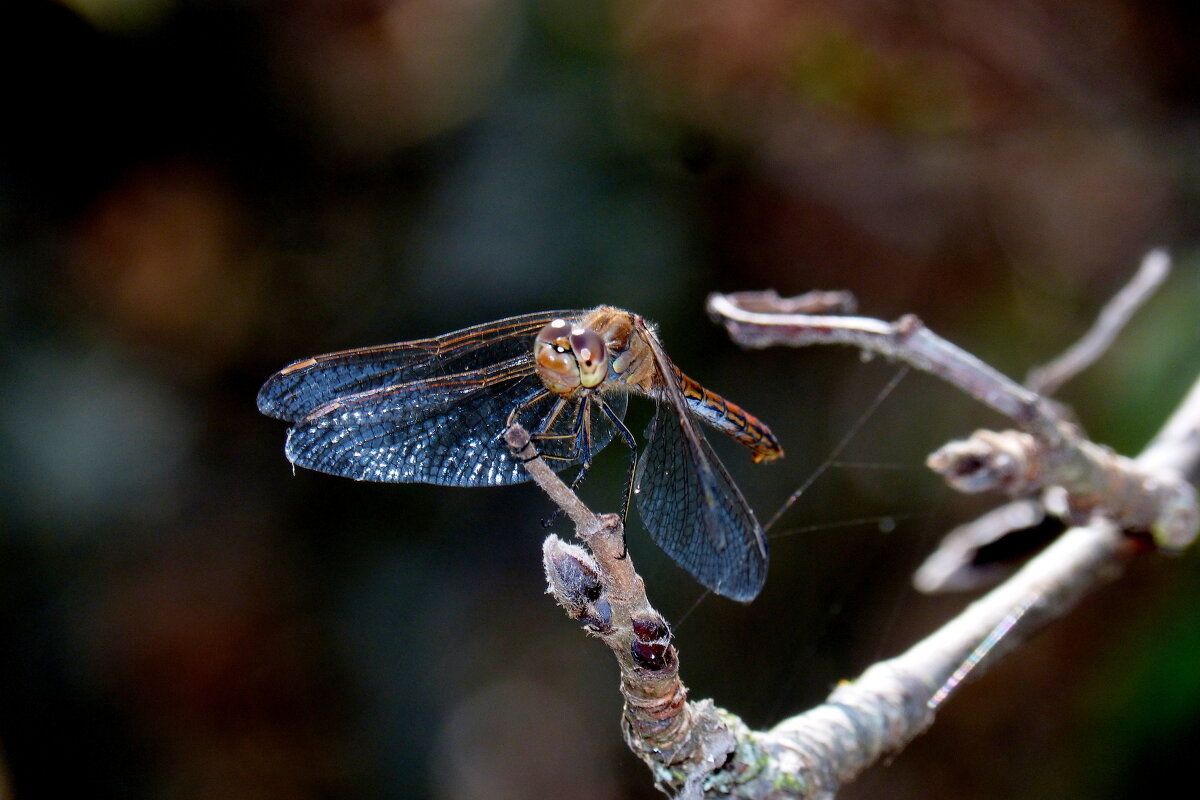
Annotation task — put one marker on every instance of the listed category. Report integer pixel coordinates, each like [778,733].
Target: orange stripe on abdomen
[731,418]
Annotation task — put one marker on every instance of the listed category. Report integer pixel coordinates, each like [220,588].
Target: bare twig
[696,749]
[906,340]
[890,703]
[586,523]
[952,568]
[683,743]
[953,564]
[1051,452]
[1177,445]
[1048,378]
[1076,481]
[815,302]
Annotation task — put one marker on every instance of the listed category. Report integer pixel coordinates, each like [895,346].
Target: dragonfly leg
[581,442]
[541,435]
[521,409]
[580,436]
[631,443]
[512,418]
[576,425]
[580,425]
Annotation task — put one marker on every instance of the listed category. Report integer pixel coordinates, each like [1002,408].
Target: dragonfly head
[569,357]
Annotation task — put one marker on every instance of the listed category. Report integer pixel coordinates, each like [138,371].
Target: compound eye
[554,359]
[591,356]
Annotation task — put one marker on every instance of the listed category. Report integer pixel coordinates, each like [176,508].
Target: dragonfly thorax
[569,357]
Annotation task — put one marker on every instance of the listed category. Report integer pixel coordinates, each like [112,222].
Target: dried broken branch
[1048,451]
[1049,378]
[956,564]
[749,320]
[695,749]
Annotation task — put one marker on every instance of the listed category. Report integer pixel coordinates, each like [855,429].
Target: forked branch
[695,749]
[1047,453]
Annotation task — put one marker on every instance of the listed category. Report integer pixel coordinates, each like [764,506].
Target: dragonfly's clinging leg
[581,442]
[512,418]
[521,409]
[580,436]
[541,435]
[573,454]
[631,443]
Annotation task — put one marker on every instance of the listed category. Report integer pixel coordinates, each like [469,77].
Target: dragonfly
[435,411]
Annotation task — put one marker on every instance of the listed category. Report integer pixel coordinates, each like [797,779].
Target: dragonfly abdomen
[731,418]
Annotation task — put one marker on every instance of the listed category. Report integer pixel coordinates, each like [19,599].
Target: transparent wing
[690,505]
[305,386]
[445,430]
[695,512]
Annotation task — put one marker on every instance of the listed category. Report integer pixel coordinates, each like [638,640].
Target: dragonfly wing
[300,389]
[442,430]
[695,512]
[690,504]
[445,431]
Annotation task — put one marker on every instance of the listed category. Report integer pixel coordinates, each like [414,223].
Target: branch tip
[1154,269]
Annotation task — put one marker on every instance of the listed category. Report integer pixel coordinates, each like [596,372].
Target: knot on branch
[1078,478]
[1006,461]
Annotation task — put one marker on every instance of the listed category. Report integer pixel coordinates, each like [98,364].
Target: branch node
[907,326]
[989,460]
[1177,524]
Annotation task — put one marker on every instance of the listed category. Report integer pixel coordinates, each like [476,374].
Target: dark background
[194,194]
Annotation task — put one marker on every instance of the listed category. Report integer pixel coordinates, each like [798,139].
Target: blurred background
[193,194]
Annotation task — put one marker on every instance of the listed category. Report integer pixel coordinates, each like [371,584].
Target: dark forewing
[690,505]
[299,390]
[444,430]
